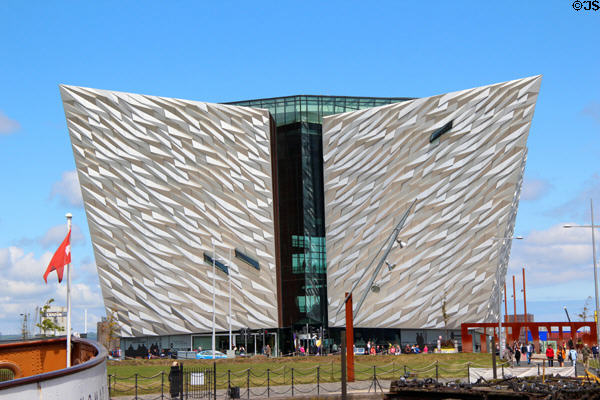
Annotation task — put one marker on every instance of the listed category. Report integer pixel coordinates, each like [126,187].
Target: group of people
[572,354]
[395,349]
[517,350]
[563,353]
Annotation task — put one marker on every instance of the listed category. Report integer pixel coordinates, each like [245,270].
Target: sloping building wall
[467,185]
[163,180]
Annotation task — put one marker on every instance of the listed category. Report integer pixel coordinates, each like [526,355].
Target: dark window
[218,264]
[246,259]
[439,132]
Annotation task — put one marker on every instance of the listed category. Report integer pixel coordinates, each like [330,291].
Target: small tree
[112,326]
[47,324]
[583,315]
[445,316]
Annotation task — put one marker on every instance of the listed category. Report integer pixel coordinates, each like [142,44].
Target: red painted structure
[349,339]
[534,327]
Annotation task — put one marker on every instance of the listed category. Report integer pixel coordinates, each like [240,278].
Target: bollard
[248,383]
[436,372]
[268,382]
[292,381]
[468,372]
[318,379]
[136,375]
[215,379]
[162,385]
[332,371]
[405,372]
[374,379]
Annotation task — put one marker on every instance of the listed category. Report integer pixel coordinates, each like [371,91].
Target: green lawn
[260,371]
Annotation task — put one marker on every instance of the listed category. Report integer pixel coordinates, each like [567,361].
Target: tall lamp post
[502,342]
[214,260]
[593,227]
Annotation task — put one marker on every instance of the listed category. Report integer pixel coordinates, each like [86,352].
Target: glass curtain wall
[301,199]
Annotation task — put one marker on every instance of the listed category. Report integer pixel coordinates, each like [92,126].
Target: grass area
[262,371]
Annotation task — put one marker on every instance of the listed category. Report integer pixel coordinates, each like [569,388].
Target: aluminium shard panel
[163,181]
[466,184]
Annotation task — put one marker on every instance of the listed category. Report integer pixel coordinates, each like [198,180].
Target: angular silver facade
[467,185]
[162,181]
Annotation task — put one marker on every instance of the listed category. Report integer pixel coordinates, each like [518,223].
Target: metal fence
[207,383]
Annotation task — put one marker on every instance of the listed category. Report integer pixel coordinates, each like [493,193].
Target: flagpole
[214,303]
[229,270]
[69,217]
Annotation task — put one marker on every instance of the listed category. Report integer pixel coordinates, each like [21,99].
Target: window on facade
[208,259]
[247,259]
[439,132]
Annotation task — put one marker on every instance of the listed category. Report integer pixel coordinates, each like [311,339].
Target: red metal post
[515,300]
[349,339]
[505,304]
[525,306]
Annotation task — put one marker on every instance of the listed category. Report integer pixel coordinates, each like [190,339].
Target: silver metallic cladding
[377,161]
[161,178]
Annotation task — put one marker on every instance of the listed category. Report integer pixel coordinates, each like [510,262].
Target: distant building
[103,335]
[520,318]
[58,315]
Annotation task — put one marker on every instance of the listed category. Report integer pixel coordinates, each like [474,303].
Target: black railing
[6,374]
[205,382]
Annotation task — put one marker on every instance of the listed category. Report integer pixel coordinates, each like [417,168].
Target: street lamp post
[214,302]
[502,342]
[229,276]
[593,227]
[214,261]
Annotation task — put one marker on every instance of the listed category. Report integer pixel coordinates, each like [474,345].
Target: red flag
[61,258]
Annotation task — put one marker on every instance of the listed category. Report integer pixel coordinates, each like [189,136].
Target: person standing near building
[573,356]
[550,355]
[176,380]
[585,353]
[518,354]
[560,355]
[529,352]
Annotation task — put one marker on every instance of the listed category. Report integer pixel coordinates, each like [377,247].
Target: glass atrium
[299,174]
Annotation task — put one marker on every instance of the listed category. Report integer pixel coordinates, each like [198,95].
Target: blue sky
[226,51]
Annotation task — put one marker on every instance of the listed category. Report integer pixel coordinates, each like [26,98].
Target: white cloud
[24,288]
[555,256]
[592,110]
[55,235]
[68,189]
[534,189]
[8,125]
[579,206]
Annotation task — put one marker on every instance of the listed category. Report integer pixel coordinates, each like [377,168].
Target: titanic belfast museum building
[288,200]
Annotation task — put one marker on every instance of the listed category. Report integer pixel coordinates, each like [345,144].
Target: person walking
[560,355]
[529,352]
[585,353]
[523,350]
[518,355]
[550,355]
[573,356]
